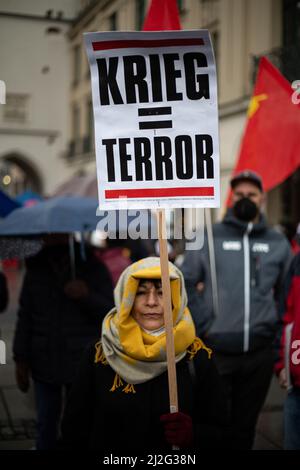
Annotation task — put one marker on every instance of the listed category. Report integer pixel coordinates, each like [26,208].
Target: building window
[291,22]
[76,65]
[16,178]
[113,22]
[16,109]
[140,6]
[290,57]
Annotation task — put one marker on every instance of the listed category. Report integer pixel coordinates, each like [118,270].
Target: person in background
[295,242]
[116,257]
[251,262]
[119,401]
[292,233]
[57,317]
[287,365]
[3,292]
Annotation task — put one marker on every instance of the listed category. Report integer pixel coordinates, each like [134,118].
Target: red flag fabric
[163,15]
[271,142]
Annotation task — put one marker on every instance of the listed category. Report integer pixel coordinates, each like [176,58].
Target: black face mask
[245,209]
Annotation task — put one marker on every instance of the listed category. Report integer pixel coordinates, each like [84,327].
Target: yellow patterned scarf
[133,354]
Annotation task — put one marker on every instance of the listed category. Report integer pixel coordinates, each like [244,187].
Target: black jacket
[105,421]
[3,293]
[53,330]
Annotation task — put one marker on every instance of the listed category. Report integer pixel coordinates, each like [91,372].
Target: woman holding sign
[120,399]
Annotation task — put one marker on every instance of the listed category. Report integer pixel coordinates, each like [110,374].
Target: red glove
[178,429]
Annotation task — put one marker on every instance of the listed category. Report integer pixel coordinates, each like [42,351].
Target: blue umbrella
[7,204]
[19,231]
[57,215]
[63,215]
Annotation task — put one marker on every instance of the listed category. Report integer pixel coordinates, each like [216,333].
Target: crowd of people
[93,342]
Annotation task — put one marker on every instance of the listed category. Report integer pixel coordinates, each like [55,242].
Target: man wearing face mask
[251,262]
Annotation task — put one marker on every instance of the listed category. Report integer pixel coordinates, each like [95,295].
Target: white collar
[157,332]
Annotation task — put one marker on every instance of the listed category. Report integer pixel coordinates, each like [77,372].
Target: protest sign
[156,119]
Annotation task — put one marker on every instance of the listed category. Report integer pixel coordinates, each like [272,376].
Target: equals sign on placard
[157,124]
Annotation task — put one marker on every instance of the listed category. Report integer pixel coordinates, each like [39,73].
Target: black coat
[105,421]
[3,293]
[53,330]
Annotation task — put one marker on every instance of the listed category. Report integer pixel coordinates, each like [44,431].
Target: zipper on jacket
[247,286]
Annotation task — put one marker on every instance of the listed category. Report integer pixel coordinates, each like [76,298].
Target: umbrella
[19,231]
[56,215]
[67,214]
[7,204]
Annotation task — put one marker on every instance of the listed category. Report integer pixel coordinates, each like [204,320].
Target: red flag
[162,15]
[271,142]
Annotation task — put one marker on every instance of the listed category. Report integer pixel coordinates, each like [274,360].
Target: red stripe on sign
[158,192]
[124,44]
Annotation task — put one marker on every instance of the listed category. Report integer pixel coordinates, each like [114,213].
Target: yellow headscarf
[133,354]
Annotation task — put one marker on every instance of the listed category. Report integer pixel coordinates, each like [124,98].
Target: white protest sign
[156,119]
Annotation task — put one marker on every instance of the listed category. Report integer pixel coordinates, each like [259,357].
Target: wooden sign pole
[167,302]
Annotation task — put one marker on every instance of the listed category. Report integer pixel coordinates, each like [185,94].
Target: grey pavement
[17,410]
